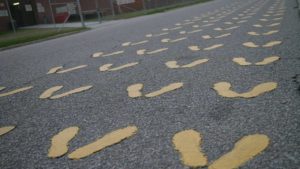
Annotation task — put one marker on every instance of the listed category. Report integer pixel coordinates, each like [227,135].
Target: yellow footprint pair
[267,45]
[60,70]
[188,144]
[174,64]
[197,48]
[59,142]
[49,93]
[107,67]
[223,89]
[134,90]
[242,61]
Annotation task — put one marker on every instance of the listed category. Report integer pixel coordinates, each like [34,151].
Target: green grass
[151,11]
[8,39]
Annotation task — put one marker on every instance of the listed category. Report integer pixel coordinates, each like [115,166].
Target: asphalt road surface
[212,43]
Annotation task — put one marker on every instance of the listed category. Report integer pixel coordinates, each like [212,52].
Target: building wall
[4,19]
[43,15]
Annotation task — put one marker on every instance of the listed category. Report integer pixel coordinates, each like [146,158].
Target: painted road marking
[174,65]
[242,61]
[15,91]
[59,142]
[242,21]
[223,89]
[157,51]
[101,54]
[6,129]
[273,24]
[228,23]
[194,48]
[244,150]
[230,28]
[161,34]
[268,60]
[165,89]
[134,90]
[264,20]
[54,69]
[250,45]
[134,44]
[222,36]
[141,52]
[60,71]
[194,31]
[188,144]
[213,47]
[48,94]
[107,67]
[258,26]
[272,43]
[107,140]
[114,53]
[173,41]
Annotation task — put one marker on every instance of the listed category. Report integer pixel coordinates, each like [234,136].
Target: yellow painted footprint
[107,67]
[144,51]
[106,141]
[174,65]
[242,61]
[48,94]
[134,44]
[156,35]
[60,70]
[173,41]
[266,33]
[188,144]
[223,89]
[101,54]
[197,48]
[23,89]
[6,129]
[244,150]
[59,142]
[134,90]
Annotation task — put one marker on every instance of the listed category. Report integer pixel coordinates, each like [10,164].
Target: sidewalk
[66,25]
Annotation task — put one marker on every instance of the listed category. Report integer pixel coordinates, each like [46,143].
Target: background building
[31,12]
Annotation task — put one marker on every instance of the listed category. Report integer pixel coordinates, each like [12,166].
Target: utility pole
[80,13]
[10,17]
[112,7]
[52,15]
[144,5]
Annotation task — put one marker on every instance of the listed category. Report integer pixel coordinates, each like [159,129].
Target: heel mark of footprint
[59,142]
[188,144]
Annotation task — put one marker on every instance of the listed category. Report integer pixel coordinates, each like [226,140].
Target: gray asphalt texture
[107,107]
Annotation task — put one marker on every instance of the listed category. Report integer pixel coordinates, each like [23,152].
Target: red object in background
[61,17]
